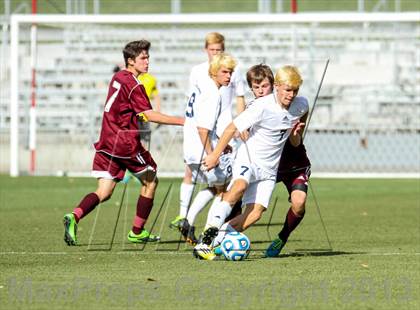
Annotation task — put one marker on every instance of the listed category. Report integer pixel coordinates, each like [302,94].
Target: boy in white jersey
[271,119]
[214,45]
[203,125]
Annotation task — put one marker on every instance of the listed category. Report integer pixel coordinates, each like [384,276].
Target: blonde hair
[215,38]
[288,75]
[220,60]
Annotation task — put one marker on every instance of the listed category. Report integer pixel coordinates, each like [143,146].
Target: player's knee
[152,184]
[298,207]
[103,195]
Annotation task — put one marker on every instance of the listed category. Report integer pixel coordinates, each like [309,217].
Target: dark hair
[258,73]
[133,49]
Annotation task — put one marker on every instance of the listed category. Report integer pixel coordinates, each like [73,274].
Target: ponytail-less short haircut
[215,38]
[220,60]
[134,48]
[257,73]
[288,75]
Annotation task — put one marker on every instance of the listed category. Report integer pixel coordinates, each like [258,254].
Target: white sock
[185,194]
[223,231]
[213,206]
[220,213]
[198,204]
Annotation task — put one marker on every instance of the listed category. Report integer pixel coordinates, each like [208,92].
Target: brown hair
[134,48]
[258,73]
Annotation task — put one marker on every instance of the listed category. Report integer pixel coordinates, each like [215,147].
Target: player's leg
[256,198]
[144,169]
[185,194]
[297,187]
[107,171]
[221,210]
[198,204]
[202,198]
[251,215]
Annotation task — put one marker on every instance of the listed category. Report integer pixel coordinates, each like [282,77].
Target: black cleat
[188,232]
[209,234]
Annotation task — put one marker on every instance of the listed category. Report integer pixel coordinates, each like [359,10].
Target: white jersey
[236,88]
[270,126]
[204,108]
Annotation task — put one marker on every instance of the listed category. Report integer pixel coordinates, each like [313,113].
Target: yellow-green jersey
[149,83]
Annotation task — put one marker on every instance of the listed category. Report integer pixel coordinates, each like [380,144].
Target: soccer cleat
[275,247]
[203,251]
[177,222]
[208,235]
[70,229]
[188,232]
[144,236]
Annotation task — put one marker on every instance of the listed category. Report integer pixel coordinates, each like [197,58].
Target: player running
[271,120]
[119,147]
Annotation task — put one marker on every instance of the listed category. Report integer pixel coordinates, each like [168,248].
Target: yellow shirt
[149,83]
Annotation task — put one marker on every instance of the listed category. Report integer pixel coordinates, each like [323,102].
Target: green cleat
[275,247]
[70,229]
[144,236]
[177,222]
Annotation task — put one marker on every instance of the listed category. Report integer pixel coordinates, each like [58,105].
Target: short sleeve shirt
[126,99]
[270,128]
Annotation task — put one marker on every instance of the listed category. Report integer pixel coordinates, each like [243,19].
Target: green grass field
[374,261]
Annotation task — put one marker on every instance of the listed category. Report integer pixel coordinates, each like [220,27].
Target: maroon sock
[86,206]
[290,223]
[144,206]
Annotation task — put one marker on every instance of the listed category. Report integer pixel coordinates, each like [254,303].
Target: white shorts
[259,192]
[260,183]
[220,175]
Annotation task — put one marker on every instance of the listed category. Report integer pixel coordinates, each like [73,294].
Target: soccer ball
[235,246]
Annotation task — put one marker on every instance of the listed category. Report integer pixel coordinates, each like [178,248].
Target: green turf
[373,226]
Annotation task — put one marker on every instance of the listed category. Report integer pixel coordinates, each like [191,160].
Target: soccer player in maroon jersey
[294,171]
[119,147]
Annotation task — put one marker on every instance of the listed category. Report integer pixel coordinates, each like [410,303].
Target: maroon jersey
[293,159]
[120,135]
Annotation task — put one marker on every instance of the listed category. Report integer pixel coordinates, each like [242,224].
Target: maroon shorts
[109,167]
[297,180]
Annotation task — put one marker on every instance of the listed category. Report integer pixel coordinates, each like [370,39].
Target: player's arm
[160,118]
[240,104]
[205,139]
[156,101]
[295,137]
[212,158]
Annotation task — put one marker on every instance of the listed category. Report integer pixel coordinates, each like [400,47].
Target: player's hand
[297,129]
[244,135]
[210,162]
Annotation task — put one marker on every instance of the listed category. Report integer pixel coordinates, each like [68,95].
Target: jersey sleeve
[139,99]
[192,81]
[207,110]
[251,116]
[239,82]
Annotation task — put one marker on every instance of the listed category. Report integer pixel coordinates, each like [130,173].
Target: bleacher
[372,82]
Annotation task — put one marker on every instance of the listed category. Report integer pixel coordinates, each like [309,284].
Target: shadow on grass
[316,252]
